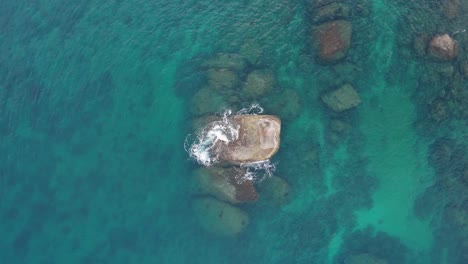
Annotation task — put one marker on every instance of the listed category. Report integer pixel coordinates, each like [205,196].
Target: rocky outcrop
[258,139]
[220,218]
[233,62]
[342,99]
[443,48]
[226,184]
[276,191]
[332,40]
[258,83]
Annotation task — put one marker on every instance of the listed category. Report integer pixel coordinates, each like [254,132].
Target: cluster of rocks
[233,79]
[331,30]
[219,190]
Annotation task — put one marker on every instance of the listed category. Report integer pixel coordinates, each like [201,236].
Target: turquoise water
[96,101]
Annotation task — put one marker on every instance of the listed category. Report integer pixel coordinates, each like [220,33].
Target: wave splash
[204,148]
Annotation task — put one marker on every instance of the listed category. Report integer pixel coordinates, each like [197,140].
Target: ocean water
[97,99]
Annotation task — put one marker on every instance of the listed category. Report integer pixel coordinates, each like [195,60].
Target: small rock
[364,259]
[220,218]
[206,101]
[226,184]
[251,50]
[439,110]
[222,80]
[342,99]
[258,83]
[276,190]
[333,40]
[443,47]
[233,62]
[258,139]
[330,12]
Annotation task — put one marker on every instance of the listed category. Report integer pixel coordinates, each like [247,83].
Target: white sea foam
[204,148]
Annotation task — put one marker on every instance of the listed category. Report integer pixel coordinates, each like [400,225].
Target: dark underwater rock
[364,258]
[332,40]
[258,83]
[276,191]
[286,104]
[226,184]
[206,101]
[233,62]
[222,80]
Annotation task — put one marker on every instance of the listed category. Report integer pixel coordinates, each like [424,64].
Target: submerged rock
[285,104]
[258,139]
[233,62]
[333,40]
[364,259]
[206,101]
[258,83]
[222,80]
[342,99]
[226,184]
[443,47]
[330,12]
[220,218]
[251,50]
[275,190]
[451,8]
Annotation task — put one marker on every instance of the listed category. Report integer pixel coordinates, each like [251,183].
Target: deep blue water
[98,97]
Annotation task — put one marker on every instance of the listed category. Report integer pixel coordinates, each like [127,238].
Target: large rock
[333,40]
[233,62]
[222,80]
[220,218]
[342,99]
[258,83]
[364,259]
[451,8]
[330,12]
[226,184]
[276,191]
[443,48]
[258,139]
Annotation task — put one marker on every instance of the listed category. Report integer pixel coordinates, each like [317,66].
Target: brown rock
[220,218]
[258,139]
[443,47]
[342,99]
[226,184]
[258,83]
[330,12]
[333,40]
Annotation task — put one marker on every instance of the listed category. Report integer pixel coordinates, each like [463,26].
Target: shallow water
[96,101]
